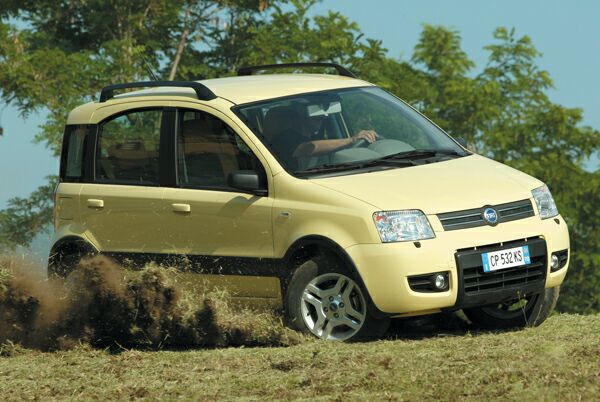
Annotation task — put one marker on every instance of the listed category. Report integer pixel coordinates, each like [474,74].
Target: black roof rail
[343,71]
[202,91]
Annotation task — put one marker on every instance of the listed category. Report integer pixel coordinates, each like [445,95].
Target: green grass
[558,361]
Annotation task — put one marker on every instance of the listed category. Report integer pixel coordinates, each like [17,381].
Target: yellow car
[320,193]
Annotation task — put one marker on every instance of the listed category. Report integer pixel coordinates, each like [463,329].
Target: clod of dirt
[99,305]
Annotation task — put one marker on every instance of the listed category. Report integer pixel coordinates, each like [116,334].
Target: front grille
[476,281]
[477,287]
[470,218]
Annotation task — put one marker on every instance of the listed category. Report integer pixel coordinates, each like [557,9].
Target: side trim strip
[203,264]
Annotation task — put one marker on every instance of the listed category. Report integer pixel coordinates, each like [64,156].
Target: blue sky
[566,32]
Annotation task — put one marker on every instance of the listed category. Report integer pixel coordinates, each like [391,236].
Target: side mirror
[246,180]
[461,141]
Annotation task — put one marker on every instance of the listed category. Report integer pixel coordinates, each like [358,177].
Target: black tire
[320,266]
[63,261]
[533,311]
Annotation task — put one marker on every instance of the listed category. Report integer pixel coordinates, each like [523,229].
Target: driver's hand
[369,135]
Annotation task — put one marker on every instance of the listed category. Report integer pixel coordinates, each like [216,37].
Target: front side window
[343,128]
[128,146]
[208,150]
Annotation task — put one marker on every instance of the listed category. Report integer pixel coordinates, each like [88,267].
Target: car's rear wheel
[66,258]
[529,311]
[328,301]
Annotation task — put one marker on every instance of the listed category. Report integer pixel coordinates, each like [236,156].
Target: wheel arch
[66,245]
[312,245]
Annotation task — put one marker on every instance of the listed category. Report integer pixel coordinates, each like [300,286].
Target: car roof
[254,88]
[260,87]
[236,90]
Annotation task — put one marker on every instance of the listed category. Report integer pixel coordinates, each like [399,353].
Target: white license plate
[511,257]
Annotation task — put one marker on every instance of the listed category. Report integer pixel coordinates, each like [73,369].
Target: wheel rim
[512,309]
[333,307]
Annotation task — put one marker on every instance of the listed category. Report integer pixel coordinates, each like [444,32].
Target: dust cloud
[98,305]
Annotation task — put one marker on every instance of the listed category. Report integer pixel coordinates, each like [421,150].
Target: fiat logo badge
[490,216]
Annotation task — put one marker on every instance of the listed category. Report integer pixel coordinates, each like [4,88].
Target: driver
[290,132]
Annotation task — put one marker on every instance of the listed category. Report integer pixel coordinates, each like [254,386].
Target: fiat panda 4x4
[320,193]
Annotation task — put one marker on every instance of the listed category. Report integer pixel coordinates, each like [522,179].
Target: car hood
[463,183]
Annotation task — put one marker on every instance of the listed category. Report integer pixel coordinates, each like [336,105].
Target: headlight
[408,225]
[545,203]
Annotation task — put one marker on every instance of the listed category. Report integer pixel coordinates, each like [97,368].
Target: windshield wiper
[356,165]
[423,153]
[401,159]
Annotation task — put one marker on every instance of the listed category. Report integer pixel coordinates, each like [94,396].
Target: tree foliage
[55,55]
[24,218]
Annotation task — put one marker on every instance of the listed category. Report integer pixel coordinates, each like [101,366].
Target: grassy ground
[558,361]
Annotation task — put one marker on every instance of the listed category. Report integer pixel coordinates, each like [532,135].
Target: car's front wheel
[328,301]
[530,311]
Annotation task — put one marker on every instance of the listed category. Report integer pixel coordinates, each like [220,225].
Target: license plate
[511,257]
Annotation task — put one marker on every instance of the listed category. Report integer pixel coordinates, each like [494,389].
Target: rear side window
[128,148]
[208,150]
[73,156]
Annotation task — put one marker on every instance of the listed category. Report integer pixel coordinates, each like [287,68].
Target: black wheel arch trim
[74,240]
[338,251]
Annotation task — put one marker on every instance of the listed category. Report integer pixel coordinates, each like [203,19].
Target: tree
[22,220]
[63,52]
[547,140]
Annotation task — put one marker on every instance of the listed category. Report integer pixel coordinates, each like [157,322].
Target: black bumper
[479,288]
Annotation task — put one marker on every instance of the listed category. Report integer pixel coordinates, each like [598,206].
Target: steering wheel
[360,143]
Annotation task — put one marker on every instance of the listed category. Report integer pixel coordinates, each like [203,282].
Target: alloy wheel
[333,307]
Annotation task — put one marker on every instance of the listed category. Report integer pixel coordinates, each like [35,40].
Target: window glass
[75,141]
[208,150]
[379,111]
[294,126]
[128,148]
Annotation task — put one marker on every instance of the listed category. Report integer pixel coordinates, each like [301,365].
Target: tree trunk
[180,48]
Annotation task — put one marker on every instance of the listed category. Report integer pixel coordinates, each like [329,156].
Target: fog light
[440,281]
[554,262]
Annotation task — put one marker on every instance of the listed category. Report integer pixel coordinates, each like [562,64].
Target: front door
[206,216]
[226,234]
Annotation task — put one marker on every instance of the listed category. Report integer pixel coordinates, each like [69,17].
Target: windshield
[343,129]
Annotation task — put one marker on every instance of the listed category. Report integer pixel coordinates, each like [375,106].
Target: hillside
[558,361]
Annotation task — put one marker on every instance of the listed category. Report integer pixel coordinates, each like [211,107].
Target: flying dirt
[98,305]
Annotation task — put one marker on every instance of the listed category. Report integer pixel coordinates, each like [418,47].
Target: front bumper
[385,268]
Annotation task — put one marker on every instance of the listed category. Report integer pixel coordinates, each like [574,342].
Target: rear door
[73,171]
[119,207]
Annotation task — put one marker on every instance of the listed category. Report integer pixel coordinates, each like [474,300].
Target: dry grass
[558,361]
[101,305]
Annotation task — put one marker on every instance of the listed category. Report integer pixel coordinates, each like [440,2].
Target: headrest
[278,120]
[197,128]
[134,149]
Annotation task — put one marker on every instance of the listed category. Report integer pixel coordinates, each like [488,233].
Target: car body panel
[128,220]
[457,184]
[219,223]
[303,208]
[66,203]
